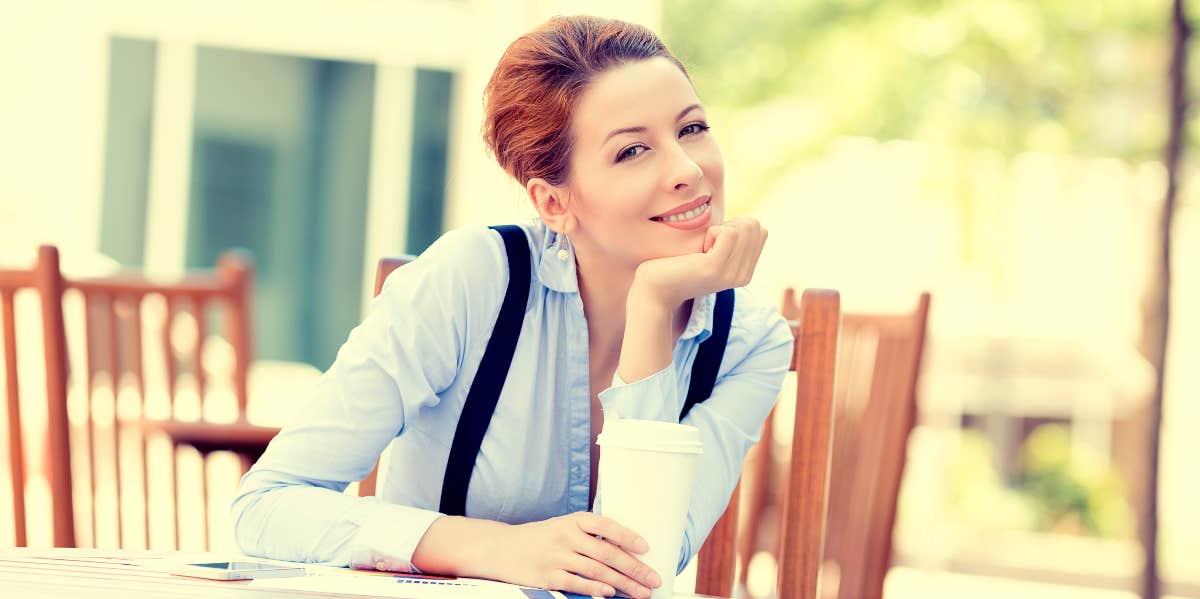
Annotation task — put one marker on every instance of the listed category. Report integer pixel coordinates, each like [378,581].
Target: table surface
[26,572]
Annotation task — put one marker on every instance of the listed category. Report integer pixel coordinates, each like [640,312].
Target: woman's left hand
[660,286]
[728,259]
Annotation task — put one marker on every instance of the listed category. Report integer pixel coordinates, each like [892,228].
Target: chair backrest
[46,280]
[386,265]
[815,327]
[879,360]
[806,494]
[134,326]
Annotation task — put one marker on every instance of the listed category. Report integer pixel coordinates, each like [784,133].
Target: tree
[1157,301]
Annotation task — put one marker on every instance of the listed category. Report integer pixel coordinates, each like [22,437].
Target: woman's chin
[682,248]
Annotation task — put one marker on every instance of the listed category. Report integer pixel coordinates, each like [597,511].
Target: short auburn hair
[536,85]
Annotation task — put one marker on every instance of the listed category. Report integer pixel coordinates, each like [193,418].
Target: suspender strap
[708,357]
[485,389]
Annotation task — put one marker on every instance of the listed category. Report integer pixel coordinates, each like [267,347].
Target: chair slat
[802,526]
[168,350]
[89,389]
[139,381]
[236,274]
[16,447]
[716,562]
[112,328]
[51,286]
[200,318]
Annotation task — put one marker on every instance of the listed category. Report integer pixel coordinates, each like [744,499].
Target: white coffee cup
[647,470]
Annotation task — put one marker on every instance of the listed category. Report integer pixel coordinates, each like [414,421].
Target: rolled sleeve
[388,535]
[648,399]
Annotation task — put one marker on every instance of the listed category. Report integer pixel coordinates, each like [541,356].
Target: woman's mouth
[691,219]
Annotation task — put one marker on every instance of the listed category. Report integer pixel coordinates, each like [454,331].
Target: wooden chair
[44,278]
[877,409]
[879,361]
[183,315]
[815,326]
[386,265]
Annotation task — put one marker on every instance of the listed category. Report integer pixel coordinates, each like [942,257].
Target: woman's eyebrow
[684,112]
[614,132]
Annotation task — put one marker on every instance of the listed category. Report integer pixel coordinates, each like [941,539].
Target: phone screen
[239,566]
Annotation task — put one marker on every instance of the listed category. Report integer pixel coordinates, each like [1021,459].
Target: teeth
[690,214]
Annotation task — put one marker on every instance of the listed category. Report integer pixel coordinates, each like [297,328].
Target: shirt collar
[557,271]
[700,323]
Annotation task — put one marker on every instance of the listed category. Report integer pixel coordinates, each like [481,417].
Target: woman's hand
[556,553]
[660,286]
[728,259]
[561,553]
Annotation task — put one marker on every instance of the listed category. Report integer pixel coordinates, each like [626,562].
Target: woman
[602,126]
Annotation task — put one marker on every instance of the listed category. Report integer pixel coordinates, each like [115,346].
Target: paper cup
[647,469]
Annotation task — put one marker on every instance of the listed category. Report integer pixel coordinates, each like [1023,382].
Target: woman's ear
[551,201]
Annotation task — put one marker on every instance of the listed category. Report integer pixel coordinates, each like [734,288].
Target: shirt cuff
[651,398]
[388,535]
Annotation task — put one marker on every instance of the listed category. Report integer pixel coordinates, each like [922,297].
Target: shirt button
[381,566]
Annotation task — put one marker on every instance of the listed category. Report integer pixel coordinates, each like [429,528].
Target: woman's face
[646,177]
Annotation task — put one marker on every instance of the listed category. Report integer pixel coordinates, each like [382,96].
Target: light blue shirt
[402,377]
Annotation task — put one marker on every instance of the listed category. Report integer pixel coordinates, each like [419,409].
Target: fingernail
[642,545]
[655,581]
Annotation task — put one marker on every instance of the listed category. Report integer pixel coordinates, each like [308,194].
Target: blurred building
[317,134]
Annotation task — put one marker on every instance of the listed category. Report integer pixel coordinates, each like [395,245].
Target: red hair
[533,91]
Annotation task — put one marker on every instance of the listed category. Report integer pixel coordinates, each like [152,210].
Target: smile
[686,216]
[688,220]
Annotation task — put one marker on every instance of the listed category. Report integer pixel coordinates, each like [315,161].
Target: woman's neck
[603,288]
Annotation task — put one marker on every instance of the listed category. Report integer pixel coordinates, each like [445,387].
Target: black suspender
[708,357]
[485,389]
[497,358]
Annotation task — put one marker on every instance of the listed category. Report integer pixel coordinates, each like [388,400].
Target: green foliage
[1061,489]
[978,496]
[1078,76]
[1074,490]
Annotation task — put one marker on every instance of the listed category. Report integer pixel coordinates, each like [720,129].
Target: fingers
[599,572]
[723,244]
[710,235]
[621,563]
[753,240]
[612,532]
[745,238]
[565,581]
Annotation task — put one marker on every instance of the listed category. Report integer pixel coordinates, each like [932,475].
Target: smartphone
[236,570]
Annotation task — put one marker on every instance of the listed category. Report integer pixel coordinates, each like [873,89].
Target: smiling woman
[614,300]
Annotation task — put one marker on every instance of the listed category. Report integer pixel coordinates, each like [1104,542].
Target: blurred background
[1007,156]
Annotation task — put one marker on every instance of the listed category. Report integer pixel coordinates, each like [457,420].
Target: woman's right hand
[563,554]
[560,554]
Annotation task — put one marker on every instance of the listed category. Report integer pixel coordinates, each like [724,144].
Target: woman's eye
[630,152]
[693,129]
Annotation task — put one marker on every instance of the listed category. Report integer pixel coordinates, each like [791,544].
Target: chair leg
[204,499]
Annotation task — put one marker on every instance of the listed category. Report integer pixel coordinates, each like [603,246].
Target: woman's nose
[683,171]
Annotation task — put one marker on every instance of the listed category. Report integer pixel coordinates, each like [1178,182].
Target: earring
[563,254]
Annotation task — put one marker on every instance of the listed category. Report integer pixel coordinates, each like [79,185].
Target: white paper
[389,586]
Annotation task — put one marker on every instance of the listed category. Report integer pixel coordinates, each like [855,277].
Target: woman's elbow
[248,515]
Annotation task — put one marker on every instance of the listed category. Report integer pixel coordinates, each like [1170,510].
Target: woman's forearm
[457,546]
[647,344]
